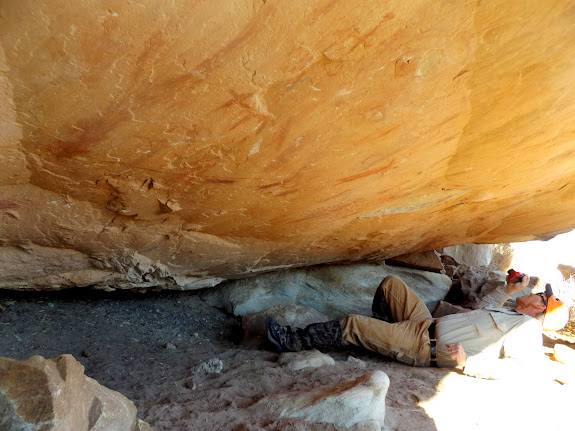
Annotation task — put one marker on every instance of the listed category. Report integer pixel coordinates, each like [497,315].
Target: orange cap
[556,314]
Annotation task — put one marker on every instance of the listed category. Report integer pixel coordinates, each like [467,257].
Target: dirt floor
[148,347]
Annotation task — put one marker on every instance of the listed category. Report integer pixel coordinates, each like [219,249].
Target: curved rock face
[145,143]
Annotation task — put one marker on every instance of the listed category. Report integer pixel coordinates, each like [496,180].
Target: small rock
[170,346]
[307,359]
[357,362]
[191,384]
[6,316]
[143,426]
[213,366]
[86,353]
[564,354]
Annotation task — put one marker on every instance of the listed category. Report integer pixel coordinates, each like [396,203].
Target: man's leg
[393,297]
[406,341]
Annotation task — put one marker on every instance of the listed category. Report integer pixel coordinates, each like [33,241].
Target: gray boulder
[335,290]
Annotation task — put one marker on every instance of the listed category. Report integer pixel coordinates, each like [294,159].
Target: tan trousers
[406,340]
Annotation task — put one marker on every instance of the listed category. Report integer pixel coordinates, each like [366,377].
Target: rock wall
[179,144]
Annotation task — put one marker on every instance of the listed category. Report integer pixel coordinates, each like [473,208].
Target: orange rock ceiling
[183,143]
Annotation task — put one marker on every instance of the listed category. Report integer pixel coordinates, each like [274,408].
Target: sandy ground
[147,346]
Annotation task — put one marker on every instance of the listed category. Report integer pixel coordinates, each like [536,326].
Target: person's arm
[498,297]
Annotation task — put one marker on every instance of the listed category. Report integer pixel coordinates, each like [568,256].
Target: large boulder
[178,144]
[54,395]
[361,401]
[335,290]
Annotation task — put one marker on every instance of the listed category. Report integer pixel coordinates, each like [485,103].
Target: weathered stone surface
[54,394]
[424,260]
[296,361]
[567,271]
[346,405]
[474,255]
[335,290]
[177,144]
[471,284]
[212,366]
[299,316]
[502,257]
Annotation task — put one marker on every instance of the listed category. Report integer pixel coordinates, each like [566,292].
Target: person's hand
[512,288]
[457,353]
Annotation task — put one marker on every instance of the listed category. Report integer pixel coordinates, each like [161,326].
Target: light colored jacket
[498,341]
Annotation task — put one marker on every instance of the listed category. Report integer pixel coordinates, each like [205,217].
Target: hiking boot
[283,337]
[380,307]
[321,336]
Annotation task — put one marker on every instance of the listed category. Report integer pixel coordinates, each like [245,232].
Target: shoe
[275,333]
[285,338]
[321,336]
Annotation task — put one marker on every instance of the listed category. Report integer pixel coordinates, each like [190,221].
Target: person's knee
[391,279]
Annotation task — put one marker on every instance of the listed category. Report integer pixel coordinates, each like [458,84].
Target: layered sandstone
[179,144]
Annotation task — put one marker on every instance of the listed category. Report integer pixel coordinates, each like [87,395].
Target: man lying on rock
[485,342]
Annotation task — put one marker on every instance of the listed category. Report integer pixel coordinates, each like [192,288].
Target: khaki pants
[406,340]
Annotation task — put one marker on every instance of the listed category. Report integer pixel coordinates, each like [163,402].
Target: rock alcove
[177,145]
[161,146]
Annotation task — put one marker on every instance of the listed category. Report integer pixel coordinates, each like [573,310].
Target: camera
[515,276]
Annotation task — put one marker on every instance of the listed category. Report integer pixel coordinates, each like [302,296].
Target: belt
[433,345]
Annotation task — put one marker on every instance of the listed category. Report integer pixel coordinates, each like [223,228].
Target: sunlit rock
[345,405]
[296,361]
[176,144]
[54,394]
